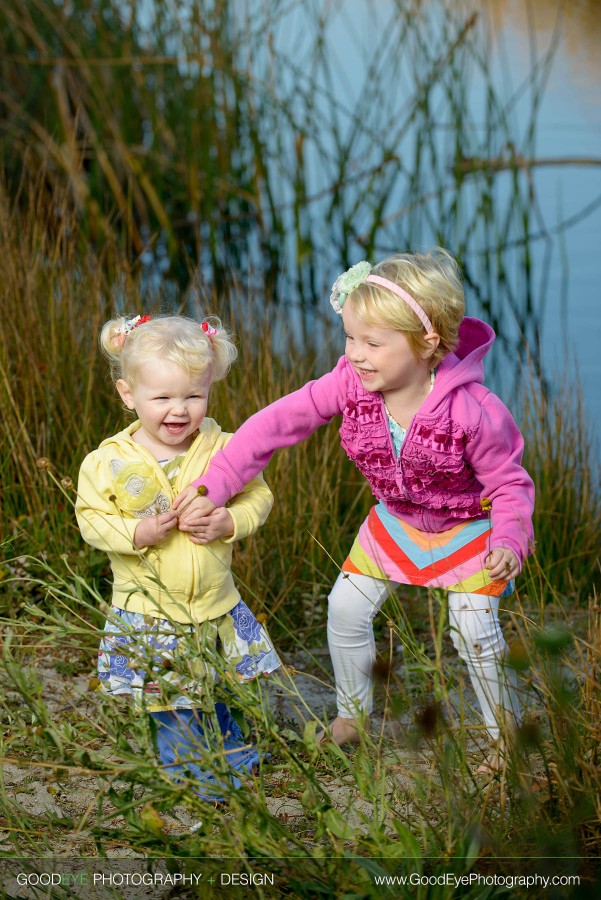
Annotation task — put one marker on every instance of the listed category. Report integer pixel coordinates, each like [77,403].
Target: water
[530,242]
[569,126]
[374,115]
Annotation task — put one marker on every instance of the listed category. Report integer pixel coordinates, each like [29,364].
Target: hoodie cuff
[216,487]
[241,525]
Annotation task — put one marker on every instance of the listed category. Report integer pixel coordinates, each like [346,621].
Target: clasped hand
[201,519]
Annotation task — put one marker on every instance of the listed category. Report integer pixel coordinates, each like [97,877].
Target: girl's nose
[355,353]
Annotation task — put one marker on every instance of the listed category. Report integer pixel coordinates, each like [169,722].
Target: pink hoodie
[462,446]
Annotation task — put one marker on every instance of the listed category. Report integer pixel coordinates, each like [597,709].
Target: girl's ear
[432,340]
[125,393]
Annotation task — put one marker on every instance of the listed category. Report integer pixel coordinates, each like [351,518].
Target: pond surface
[400,124]
[569,195]
[529,238]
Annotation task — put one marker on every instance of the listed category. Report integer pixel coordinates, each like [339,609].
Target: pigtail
[111,340]
[224,351]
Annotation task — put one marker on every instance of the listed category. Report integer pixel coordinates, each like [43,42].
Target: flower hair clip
[130,324]
[210,331]
[347,283]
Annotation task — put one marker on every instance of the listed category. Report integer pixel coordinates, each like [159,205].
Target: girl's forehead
[164,372]
[360,325]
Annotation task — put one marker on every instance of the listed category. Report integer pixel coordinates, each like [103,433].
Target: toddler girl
[442,456]
[173,599]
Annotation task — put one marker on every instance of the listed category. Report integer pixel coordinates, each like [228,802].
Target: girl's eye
[372,344]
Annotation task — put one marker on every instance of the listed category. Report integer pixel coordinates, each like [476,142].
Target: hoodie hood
[206,443]
[466,363]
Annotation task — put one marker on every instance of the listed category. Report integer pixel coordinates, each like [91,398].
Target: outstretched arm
[284,423]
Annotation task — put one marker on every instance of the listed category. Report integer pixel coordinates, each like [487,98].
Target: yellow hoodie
[121,482]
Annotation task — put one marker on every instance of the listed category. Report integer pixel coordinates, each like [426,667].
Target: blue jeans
[183,736]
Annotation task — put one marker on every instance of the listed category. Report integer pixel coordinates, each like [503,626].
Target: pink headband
[358,274]
[384,282]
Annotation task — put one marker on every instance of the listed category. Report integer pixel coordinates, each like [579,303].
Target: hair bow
[209,330]
[129,326]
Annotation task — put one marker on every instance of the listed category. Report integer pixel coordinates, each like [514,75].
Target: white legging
[475,631]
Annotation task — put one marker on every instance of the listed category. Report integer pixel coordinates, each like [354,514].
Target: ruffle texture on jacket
[430,472]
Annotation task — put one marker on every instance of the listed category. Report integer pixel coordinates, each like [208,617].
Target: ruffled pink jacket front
[461,446]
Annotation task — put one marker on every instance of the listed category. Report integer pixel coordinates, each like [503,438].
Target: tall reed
[57,402]
[137,155]
[411,792]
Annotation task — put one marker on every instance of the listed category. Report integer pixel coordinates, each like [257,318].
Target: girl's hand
[154,529]
[217,524]
[190,506]
[502,564]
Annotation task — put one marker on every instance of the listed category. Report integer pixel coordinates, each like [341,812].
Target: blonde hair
[433,280]
[173,338]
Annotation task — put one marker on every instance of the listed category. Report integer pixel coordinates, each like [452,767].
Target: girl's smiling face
[381,356]
[170,403]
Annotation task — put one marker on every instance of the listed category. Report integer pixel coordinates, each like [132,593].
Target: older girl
[438,449]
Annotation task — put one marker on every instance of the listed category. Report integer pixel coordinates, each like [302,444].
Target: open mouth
[175,427]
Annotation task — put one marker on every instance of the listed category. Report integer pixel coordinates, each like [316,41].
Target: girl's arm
[101,523]
[495,455]
[284,423]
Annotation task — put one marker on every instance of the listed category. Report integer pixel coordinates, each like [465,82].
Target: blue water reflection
[529,235]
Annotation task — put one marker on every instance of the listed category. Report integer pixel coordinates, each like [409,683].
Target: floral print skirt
[166,664]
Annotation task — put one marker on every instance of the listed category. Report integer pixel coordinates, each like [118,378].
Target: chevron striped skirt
[388,548]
